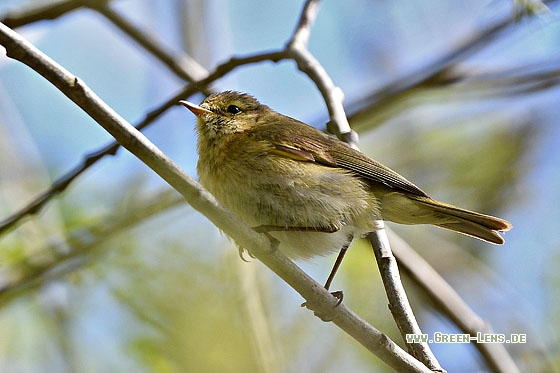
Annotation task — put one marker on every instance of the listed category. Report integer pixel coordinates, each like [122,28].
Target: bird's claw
[337,294]
[274,243]
[242,252]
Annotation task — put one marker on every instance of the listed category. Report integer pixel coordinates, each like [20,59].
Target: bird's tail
[424,210]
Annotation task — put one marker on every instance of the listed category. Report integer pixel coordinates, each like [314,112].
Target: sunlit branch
[451,304]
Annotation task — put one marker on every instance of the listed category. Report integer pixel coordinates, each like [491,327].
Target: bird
[308,190]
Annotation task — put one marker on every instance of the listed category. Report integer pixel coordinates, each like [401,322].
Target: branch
[451,304]
[319,299]
[35,206]
[15,19]
[183,66]
[398,301]
[333,96]
[520,80]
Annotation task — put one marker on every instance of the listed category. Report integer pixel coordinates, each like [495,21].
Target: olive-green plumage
[272,170]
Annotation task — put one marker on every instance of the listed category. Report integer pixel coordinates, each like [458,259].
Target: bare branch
[332,95]
[302,32]
[398,301]
[451,304]
[519,80]
[35,206]
[15,19]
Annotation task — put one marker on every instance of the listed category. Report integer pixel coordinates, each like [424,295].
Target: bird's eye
[232,109]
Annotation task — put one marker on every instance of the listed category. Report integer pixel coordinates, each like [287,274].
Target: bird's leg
[336,265]
[268,228]
[337,294]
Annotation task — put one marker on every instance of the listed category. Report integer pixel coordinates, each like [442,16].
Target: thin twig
[519,80]
[301,34]
[14,19]
[318,298]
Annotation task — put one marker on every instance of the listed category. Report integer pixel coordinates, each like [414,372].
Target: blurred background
[118,274]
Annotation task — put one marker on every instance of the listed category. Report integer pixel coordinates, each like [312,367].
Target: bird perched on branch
[311,192]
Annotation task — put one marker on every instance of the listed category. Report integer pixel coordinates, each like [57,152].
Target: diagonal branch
[451,304]
[29,273]
[15,19]
[398,301]
[35,206]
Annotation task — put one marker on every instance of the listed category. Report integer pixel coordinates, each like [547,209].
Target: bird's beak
[197,110]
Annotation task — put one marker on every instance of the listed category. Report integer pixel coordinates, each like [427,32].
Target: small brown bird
[310,191]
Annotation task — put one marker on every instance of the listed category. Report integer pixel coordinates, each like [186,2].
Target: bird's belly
[322,198]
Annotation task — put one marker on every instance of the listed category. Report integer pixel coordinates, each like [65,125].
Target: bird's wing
[353,160]
[299,141]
